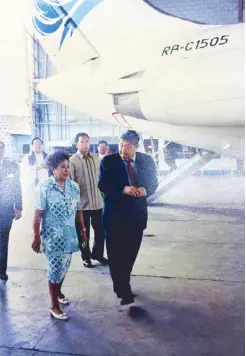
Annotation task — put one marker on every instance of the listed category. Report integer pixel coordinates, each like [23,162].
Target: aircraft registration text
[196,45]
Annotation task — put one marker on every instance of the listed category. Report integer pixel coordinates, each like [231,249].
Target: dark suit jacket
[10,190]
[121,209]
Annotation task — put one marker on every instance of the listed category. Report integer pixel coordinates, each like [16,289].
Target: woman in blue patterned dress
[58,206]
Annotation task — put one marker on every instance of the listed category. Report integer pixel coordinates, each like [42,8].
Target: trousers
[122,248]
[5,227]
[93,218]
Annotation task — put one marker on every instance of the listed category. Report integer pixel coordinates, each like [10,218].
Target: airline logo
[51,15]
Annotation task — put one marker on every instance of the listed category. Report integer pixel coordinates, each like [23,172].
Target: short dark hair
[102,142]
[54,159]
[2,144]
[37,138]
[131,136]
[83,134]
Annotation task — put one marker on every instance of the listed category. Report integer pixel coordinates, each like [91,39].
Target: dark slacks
[123,244]
[93,218]
[5,226]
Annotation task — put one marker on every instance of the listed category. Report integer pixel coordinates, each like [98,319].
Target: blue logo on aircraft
[51,15]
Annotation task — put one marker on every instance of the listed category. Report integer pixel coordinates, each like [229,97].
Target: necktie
[132,173]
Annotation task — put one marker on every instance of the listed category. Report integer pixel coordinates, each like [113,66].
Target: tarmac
[189,281]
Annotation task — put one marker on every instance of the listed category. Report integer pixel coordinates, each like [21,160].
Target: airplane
[131,64]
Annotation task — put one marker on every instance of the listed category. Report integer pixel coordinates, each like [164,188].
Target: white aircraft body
[128,63]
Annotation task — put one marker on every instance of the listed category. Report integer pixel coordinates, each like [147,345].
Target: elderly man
[84,169]
[10,205]
[126,179]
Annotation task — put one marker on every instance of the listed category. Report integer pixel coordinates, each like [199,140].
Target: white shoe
[63,300]
[62,316]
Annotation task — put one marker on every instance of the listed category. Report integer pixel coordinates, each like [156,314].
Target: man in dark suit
[10,205]
[126,178]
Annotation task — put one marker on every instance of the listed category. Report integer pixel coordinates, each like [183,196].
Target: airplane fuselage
[160,75]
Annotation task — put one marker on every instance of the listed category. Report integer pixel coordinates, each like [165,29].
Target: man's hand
[142,192]
[18,214]
[84,238]
[133,191]
[36,244]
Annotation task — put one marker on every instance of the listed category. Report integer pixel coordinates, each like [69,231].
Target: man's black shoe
[102,260]
[87,264]
[127,300]
[4,276]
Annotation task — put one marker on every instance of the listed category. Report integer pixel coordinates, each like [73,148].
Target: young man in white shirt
[37,159]
[102,148]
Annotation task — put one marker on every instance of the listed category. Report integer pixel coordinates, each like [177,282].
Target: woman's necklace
[62,185]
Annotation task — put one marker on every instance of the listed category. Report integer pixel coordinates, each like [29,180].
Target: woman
[58,205]
[36,159]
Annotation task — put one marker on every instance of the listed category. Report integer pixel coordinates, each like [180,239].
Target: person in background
[149,152]
[171,154]
[126,179]
[36,159]
[58,206]
[10,205]
[102,148]
[84,169]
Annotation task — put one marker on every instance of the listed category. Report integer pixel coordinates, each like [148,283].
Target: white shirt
[101,156]
[42,173]
[39,159]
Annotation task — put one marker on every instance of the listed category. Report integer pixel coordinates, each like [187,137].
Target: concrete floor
[189,277]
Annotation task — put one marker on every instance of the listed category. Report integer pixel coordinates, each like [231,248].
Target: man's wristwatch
[84,229]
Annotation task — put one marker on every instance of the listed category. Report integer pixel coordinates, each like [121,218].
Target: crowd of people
[107,192]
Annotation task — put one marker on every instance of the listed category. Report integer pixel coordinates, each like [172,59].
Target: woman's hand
[84,238]
[36,244]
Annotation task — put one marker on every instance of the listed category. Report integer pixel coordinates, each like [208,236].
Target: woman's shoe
[63,300]
[62,316]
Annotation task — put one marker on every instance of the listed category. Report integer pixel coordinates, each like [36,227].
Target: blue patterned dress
[58,232]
